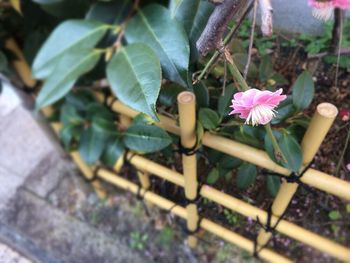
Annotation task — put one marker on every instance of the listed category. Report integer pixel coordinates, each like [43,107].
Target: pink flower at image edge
[323,10]
[256,106]
[348,167]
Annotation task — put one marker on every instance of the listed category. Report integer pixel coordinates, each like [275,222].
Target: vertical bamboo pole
[144,179]
[318,128]
[187,113]
[20,64]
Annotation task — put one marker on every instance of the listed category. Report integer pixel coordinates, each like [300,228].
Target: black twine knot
[187,151]
[268,227]
[294,178]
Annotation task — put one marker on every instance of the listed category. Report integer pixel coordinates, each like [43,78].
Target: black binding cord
[294,178]
[187,151]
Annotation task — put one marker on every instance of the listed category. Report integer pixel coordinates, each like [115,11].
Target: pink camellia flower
[256,106]
[323,9]
[348,167]
[344,114]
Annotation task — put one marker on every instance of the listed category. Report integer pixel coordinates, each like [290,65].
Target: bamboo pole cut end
[186,97]
[327,110]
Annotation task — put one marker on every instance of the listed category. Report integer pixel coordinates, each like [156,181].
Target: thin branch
[251,41]
[227,39]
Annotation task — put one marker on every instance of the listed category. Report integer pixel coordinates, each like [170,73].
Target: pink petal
[343,4]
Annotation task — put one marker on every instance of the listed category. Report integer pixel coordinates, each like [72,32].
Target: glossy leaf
[303,91]
[184,11]
[213,176]
[290,149]
[246,175]
[91,145]
[67,71]
[67,134]
[284,110]
[68,38]
[113,151]
[146,138]
[104,126]
[154,27]
[70,116]
[202,95]
[265,68]
[229,162]
[273,185]
[96,109]
[168,94]
[109,12]
[224,100]
[208,118]
[135,77]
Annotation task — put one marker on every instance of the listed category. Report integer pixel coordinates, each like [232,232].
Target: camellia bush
[145,53]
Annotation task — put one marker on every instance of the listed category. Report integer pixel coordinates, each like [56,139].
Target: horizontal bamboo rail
[245,209]
[180,211]
[312,177]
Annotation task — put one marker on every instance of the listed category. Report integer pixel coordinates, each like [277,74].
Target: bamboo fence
[318,128]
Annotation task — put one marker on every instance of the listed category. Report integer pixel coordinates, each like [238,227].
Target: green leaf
[246,175]
[200,21]
[184,11]
[213,176]
[244,135]
[135,77]
[202,95]
[104,126]
[199,131]
[265,69]
[3,62]
[112,12]
[146,138]
[96,109]
[334,215]
[70,116]
[92,144]
[114,150]
[224,101]
[67,133]
[303,91]
[241,62]
[273,185]
[284,110]
[290,149]
[142,118]
[64,8]
[168,94]
[80,99]
[153,26]
[67,38]
[228,162]
[208,118]
[67,71]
